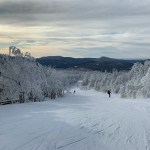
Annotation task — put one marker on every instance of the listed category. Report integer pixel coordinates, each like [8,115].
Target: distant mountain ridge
[99,64]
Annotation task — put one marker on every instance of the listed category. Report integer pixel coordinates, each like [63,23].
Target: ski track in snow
[87,120]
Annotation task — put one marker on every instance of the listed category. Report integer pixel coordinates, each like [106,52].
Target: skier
[109,93]
[74,91]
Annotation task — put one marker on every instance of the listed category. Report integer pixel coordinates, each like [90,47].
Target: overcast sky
[76,28]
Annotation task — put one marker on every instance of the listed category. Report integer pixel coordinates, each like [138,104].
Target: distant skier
[74,92]
[109,93]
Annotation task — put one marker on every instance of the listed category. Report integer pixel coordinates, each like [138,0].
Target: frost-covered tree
[134,83]
[23,79]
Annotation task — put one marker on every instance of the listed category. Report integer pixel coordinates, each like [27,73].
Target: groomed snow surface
[87,120]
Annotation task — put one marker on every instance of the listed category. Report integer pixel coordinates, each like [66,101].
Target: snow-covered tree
[23,79]
[134,83]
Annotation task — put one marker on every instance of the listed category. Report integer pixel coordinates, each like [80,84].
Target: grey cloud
[29,7]
[111,25]
[109,52]
[98,52]
[58,10]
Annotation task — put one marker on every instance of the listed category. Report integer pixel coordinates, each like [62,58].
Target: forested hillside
[23,79]
[134,83]
[96,64]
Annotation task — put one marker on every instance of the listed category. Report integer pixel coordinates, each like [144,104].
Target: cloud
[36,11]
[76,27]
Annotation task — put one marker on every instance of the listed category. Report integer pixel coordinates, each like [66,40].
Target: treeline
[24,80]
[129,84]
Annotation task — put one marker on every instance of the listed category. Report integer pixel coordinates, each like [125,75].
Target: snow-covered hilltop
[82,120]
[22,79]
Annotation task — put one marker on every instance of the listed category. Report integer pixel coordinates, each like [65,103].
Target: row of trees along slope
[24,80]
[130,84]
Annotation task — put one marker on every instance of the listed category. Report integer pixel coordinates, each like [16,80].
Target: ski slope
[87,120]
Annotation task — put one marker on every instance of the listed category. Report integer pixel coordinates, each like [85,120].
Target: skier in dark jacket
[109,93]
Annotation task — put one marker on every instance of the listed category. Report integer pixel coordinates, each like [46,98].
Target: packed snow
[86,120]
